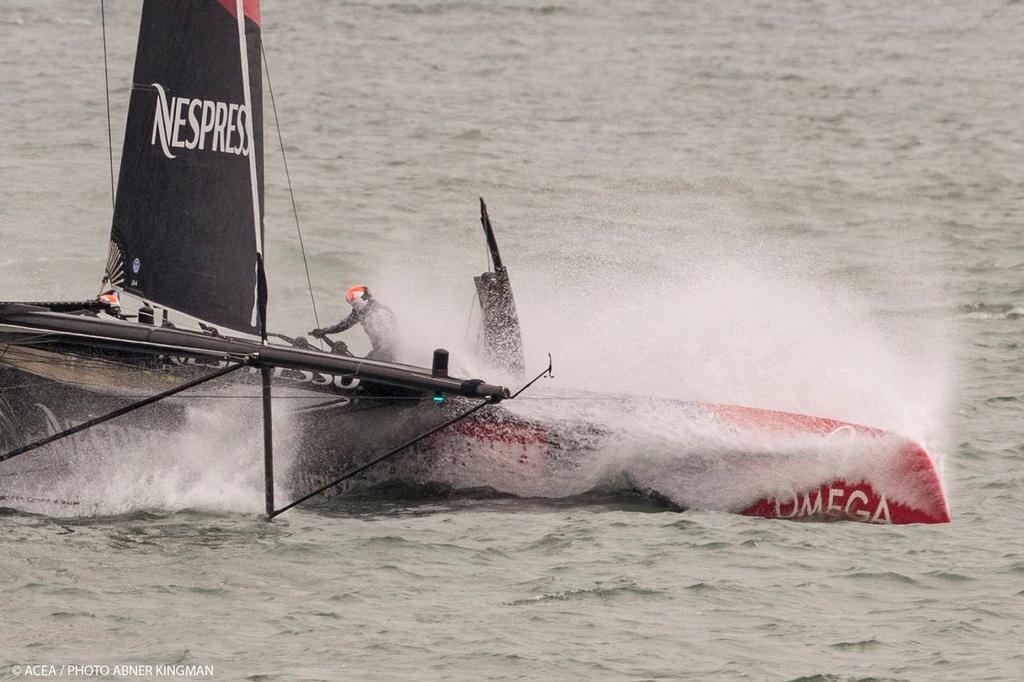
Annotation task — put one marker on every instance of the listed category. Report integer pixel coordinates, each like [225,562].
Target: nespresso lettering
[185,123]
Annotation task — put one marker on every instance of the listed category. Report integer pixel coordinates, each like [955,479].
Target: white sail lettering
[232,115]
[220,122]
[243,143]
[207,124]
[162,121]
[179,121]
[193,122]
[186,123]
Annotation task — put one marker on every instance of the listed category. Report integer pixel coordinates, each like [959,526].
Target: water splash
[209,460]
[734,322]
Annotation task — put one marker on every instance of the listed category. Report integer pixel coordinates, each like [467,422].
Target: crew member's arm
[349,322]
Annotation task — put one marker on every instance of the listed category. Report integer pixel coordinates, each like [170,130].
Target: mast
[261,276]
[257,218]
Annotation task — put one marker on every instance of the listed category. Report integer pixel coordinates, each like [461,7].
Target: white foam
[725,322]
[210,461]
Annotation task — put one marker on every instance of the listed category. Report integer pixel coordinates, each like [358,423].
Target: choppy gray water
[810,206]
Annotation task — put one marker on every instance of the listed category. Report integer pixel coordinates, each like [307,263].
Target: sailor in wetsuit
[378,322]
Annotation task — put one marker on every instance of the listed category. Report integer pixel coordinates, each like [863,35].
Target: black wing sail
[183,234]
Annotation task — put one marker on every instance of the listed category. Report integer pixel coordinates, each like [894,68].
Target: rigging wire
[469,318]
[377,460]
[118,412]
[106,88]
[291,192]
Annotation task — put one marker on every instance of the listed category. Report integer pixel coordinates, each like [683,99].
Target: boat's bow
[856,472]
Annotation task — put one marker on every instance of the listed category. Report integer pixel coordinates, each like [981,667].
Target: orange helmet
[358,296]
[110,298]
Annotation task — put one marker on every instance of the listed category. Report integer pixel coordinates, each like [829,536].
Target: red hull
[840,499]
[854,473]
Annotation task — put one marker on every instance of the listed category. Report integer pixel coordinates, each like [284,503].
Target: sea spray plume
[745,334]
[733,325]
[210,460]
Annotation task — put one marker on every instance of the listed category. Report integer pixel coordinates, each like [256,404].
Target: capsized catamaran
[187,238]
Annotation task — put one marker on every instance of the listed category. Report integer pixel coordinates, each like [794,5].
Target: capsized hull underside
[696,455]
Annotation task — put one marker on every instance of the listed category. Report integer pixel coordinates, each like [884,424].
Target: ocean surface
[812,206]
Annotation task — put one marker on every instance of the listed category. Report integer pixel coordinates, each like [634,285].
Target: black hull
[324,425]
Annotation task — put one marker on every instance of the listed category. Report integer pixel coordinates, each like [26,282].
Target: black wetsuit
[380,325]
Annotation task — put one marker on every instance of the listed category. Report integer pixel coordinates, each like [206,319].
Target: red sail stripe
[250,7]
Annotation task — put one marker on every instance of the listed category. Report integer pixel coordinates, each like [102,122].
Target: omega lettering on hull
[837,500]
[183,123]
